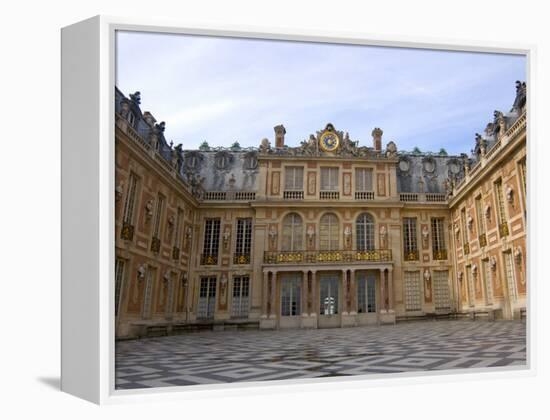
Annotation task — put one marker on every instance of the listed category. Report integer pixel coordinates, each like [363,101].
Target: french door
[207,298]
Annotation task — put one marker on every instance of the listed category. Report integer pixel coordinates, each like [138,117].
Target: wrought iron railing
[127,232]
[503,229]
[482,240]
[241,259]
[411,255]
[321,256]
[209,259]
[175,253]
[439,254]
[155,244]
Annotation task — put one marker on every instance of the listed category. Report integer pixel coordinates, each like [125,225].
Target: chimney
[279,135]
[377,139]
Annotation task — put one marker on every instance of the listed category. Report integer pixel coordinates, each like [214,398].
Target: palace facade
[329,233]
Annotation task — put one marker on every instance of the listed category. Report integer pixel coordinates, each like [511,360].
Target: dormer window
[251,161]
[222,160]
[131,118]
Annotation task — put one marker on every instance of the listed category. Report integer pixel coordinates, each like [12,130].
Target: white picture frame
[88,80]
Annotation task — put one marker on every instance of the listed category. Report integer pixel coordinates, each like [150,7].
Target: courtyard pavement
[238,356]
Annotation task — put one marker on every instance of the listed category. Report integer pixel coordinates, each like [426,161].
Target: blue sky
[224,90]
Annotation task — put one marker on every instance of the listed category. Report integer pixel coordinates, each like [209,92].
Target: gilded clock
[329,141]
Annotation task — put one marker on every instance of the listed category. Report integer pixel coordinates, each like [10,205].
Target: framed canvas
[244,209]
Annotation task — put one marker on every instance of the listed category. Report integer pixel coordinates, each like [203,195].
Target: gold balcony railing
[411,255]
[482,240]
[323,257]
[209,259]
[439,254]
[127,232]
[503,229]
[241,259]
[155,244]
[175,253]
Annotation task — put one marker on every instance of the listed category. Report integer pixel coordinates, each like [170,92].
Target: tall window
[438,235]
[409,238]
[130,203]
[413,292]
[471,288]
[239,304]
[207,298]
[177,234]
[522,166]
[500,202]
[522,169]
[487,281]
[290,295]
[243,240]
[363,179]
[366,293]
[329,232]
[158,216]
[293,233]
[150,277]
[464,227]
[365,232]
[119,278]
[481,222]
[441,290]
[510,277]
[329,179]
[294,178]
[211,239]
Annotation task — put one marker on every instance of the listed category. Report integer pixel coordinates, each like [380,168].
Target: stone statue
[265,146]
[521,96]
[383,236]
[136,97]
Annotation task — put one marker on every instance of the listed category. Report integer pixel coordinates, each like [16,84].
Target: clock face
[329,142]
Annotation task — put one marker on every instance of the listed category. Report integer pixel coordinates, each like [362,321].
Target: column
[264,293]
[353,297]
[383,307]
[345,291]
[390,288]
[272,311]
[313,297]
[304,293]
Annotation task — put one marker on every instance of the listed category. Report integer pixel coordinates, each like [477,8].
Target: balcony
[175,253]
[503,229]
[127,232]
[411,255]
[229,196]
[209,259]
[422,198]
[327,257]
[240,259]
[439,255]
[364,195]
[293,195]
[155,245]
[329,195]
[482,240]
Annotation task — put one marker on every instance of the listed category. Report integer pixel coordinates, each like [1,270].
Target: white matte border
[108,26]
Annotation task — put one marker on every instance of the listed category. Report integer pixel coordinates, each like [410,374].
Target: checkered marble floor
[238,356]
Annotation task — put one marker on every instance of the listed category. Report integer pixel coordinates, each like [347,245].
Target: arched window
[293,232]
[329,232]
[365,232]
